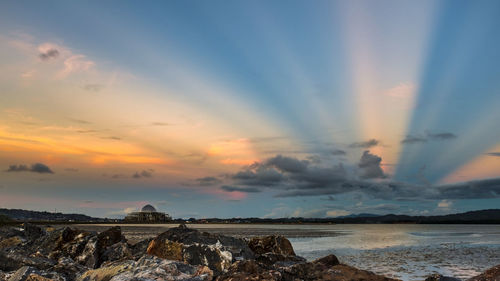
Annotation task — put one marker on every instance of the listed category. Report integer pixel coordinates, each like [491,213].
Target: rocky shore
[34,253]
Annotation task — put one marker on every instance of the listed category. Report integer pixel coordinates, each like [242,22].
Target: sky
[250,108]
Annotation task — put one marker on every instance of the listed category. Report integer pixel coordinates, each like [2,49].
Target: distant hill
[481,216]
[25,215]
[362,215]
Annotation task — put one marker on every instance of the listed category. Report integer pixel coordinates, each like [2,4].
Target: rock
[279,260]
[140,248]
[22,273]
[187,236]
[118,251]
[148,268]
[212,256]
[105,273]
[14,260]
[329,260]
[248,270]
[10,242]
[166,249]
[439,277]
[152,268]
[36,277]
[90,255]
[110,237]
[492,274]
[276,244]
[69,269]
[320,271]
[32,232]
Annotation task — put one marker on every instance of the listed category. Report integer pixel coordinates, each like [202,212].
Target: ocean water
[409,252]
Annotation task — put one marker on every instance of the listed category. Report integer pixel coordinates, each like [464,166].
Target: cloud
[370,166]
[71,170]
[412,139]
[337,213]
[48,54]
[364,144]
[240,189]
[93,87]
[111,138]
[79,121]
[160,124]
[75,63]
[441,136]
[445,204]
[36,168]
[338,152]
[497,154]
[143,174]
[206,181]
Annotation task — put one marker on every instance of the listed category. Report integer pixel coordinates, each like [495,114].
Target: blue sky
[250,108]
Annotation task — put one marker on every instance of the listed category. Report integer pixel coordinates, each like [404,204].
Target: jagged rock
[196,254]
[153,268]
[36,277]
[140,248]
[90,255]
[276,244]
[22,273]
[278,259]
[492,274]
[147,268]
[68,268]
[329,260]
[14,260]
[11,242]
[249,270]
[32,232]
[105,273]
[109,237]
[166,249]
[118,251]
[439,277]
[187,236]
[212,256]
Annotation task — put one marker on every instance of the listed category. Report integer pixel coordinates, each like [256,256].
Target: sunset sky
[250,108]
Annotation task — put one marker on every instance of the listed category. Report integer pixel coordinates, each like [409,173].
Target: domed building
[148,214]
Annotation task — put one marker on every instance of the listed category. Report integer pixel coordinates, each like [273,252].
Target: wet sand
[138,232]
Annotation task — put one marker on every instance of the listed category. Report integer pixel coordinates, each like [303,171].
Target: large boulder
[199,248]
[188,236]
[274,249]
[212,256]
[492,274]
[276,244]
[116,252]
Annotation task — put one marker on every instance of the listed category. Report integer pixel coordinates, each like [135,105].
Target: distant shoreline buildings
[148,214]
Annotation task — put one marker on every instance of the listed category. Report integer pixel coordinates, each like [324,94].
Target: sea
[403,251]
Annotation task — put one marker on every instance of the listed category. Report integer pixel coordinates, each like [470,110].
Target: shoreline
[206,246]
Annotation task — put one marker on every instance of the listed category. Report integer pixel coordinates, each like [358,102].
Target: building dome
[148,208]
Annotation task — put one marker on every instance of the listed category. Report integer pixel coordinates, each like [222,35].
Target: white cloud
[445,204]
[75,63]
[403,90]
[337,213]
